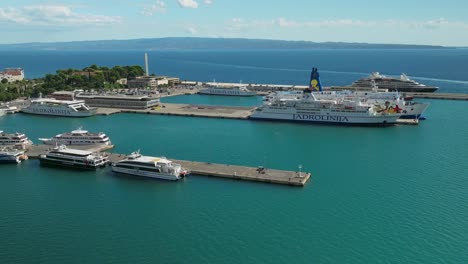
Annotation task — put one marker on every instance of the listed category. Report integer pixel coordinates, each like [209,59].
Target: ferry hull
[14,160]
[56,163]
[385,120]
[51,112]
[154,175]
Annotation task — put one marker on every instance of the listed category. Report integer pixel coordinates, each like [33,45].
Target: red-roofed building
[12,74]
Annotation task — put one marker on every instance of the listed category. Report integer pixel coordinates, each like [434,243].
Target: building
[12,74]
[142,82]
[119,100]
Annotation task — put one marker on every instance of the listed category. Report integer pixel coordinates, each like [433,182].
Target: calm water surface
[377,195]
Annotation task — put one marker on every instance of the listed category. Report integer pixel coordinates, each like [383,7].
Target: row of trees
[92,77]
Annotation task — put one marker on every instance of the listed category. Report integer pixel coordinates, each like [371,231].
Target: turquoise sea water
[377,195]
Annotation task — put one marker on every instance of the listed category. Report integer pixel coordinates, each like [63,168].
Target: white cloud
[158,7]
[45,15]
[188,3]
[191,30]
[208,2]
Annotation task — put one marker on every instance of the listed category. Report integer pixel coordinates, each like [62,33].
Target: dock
[231,112]
[196,168]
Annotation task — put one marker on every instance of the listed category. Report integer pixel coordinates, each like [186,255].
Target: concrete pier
[237,172]
[232,112]
[267,175]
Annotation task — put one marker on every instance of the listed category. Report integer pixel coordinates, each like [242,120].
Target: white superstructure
[17,140]
[78,137]
[236,91]
[46,106]
[74,158]
[152,167]
[12,156]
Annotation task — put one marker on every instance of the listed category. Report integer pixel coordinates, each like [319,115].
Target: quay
[264,89]
[260,174]
[231,112]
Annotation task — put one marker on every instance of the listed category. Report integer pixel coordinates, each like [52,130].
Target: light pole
[300,171]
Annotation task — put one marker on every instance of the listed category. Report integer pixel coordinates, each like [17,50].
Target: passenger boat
[47,106]
[73,158]
[78,137]
[12,156]
[16,140]
[152,167]
[310,109]
[235,91]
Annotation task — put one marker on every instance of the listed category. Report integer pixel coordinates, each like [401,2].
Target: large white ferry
[330,111]
[402,84]
[74,158]
[46,106]
[78,137]
[236,91]
[12,156]
[16,140]
[146,166]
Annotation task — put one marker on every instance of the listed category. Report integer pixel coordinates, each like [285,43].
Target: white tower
[146,64]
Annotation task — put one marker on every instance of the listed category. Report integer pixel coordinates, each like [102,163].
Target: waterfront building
[137,101]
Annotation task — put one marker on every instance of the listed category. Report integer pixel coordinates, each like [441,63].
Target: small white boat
[152,167]
[78,137]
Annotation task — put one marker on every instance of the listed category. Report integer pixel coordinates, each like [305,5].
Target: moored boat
[73,158]
[47,106]
[16,140]
[147,166]
[12,156]
[78,137]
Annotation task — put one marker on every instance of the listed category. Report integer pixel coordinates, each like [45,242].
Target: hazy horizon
[396,22]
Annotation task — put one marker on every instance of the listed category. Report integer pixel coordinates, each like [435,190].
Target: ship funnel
[315,84]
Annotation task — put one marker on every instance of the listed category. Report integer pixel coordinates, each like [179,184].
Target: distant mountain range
[202,44]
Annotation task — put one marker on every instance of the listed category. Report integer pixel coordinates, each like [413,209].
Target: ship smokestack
[146,64]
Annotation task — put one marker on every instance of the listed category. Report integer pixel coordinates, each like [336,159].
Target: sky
[395,22]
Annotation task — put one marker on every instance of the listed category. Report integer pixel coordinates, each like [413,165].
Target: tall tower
[146,64]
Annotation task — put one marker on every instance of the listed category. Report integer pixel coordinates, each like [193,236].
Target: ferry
[16,140]
[236,91]
[402,84]
[47,106]
[328,111]
[74,158]
[78,137]
[12,156]
[152,167]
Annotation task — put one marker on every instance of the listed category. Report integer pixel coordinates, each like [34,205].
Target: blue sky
[409,22]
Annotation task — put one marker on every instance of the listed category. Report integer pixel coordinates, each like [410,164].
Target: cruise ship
[402,84]
[327,111]
[12,156]
[46,106]
[152,167]
[16,140]
[236,91]
[80,159]
[78,137]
